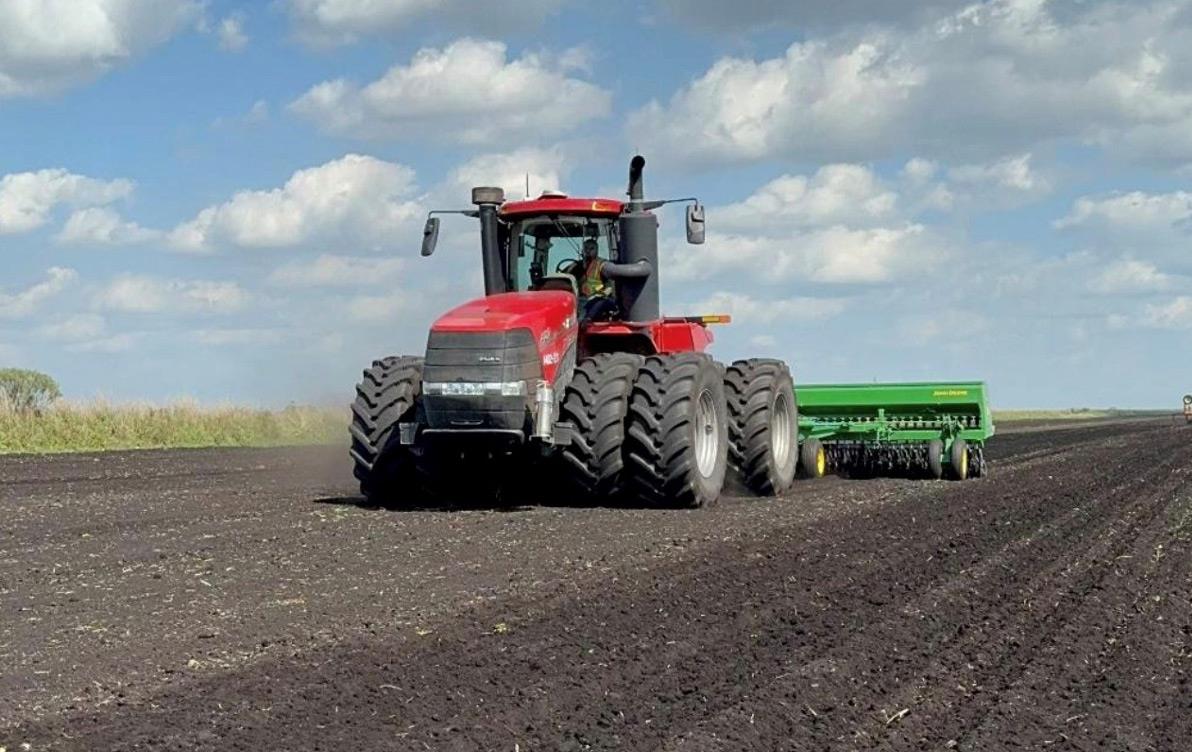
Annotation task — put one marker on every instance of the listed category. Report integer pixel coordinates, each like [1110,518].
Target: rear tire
[595,403]
[813,459]
[763,425]
[386,396]
[959,460]
[935,458]
[676,442]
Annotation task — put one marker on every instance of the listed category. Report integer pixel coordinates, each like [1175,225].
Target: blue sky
[223,200]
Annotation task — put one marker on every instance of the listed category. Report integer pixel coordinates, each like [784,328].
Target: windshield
[550,244]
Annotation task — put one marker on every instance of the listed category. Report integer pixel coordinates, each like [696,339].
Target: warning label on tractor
[950,393]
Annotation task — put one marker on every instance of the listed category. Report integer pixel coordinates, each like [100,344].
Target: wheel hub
[707,434]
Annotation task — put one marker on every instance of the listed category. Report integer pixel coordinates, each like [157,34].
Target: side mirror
[430,236]
[695,224]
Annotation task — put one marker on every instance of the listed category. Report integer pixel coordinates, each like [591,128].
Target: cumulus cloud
[100,225]
[48,45]
[77,327]
[27,199]
[23,303]
[338,271]
[468,92]
[357,199]
[832,255]
[1131,276]
[746,309]
[1174,314]
[804,14]
[134,293]
[989,79]
[117,343]
[238,337]
[332,22]
[835,194]
[1135,211]
[231,33]
[545,168]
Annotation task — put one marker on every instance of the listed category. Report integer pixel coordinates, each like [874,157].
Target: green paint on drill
[895,413]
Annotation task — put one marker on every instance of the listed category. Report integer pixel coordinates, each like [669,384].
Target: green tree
[27,391]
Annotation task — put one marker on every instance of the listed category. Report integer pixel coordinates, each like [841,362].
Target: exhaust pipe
[636,191]
[488,199]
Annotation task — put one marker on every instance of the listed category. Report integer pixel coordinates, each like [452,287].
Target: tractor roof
[556,203]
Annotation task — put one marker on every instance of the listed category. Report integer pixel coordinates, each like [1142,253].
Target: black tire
[761,403]
[977,466]
[675,397]
[813,459]
[386,395]
[935,458]
[595,403]
[958,460]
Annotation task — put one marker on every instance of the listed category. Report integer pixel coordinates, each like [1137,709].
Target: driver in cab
[595,289]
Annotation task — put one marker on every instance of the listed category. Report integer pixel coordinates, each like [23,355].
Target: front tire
[676,444]
[595,403]
[387,395]
[763,425]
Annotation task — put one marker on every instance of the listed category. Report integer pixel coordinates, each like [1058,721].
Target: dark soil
[246,600]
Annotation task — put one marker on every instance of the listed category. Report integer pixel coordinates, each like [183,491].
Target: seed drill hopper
[915,429]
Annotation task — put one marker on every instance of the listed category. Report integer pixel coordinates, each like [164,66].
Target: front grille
[480,358]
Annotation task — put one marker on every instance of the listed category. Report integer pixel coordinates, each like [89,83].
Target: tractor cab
[543,241]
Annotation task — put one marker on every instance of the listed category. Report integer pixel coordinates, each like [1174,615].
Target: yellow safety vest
[593,284]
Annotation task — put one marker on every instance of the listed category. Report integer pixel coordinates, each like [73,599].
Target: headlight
[474,388]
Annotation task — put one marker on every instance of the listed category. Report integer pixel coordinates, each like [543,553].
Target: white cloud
[77,327]
[391,307]
[100,225]
[117,343]
[717,15]
[836,194]
[357,200]
[948,325]
[330,22]
[1131,276]
[231,33]
[834,255]
[21,304]
[1135,211]
[993,78]
[546,169]
[28,198]
[48,45]
[1175,314]
[1013,174]
[223,337]
[134,293]
[746,309]
[468,92]
[338,271]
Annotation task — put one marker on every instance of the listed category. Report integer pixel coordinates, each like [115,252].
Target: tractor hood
[549,317]
[539,312]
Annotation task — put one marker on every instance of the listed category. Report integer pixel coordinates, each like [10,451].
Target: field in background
[98,425]
[1075,413]
[77,427]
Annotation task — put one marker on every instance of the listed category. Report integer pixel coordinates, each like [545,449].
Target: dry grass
[99,425]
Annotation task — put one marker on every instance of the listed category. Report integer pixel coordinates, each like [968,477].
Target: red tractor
[621,401]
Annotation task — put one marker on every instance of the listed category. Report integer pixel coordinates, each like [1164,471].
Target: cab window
[550,245]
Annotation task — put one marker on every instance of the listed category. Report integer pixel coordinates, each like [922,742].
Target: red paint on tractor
[549,315]
[596,207]
[665,335]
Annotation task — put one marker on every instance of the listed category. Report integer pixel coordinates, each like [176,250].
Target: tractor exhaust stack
[639,242]
[489,200]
